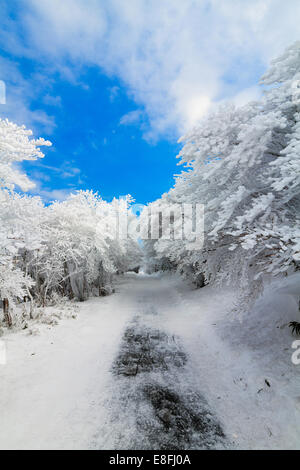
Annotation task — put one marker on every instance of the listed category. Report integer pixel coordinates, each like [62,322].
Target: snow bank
[244,364]
[53,381]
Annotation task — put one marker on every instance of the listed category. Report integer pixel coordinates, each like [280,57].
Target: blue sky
[97,137]
[96,146]
[114,86]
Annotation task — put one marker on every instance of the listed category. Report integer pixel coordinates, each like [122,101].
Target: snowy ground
[156,365]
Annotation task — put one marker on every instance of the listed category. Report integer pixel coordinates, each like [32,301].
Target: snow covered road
[145,368]
[153,386]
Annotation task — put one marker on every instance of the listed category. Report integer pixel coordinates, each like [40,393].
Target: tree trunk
[7,315]
[31,304]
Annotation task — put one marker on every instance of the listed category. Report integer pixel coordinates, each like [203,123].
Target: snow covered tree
[15,147]
[243,164]
[79,249]
[68,248]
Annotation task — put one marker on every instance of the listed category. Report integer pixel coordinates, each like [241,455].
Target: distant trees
[243,164]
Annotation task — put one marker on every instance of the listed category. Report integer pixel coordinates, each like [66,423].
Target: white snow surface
[58,390]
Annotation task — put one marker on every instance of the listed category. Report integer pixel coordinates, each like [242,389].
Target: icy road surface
[151,367]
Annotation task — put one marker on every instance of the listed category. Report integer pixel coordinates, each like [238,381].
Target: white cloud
[19,93]
[65,171]
[131,118]
[172,55]
[54,101]
[253,93]
[113,92]
[54,194]
[48,194]
[40,176]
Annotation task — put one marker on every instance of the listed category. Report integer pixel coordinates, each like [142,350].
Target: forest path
[115,377]
[157,365]
[154,387]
